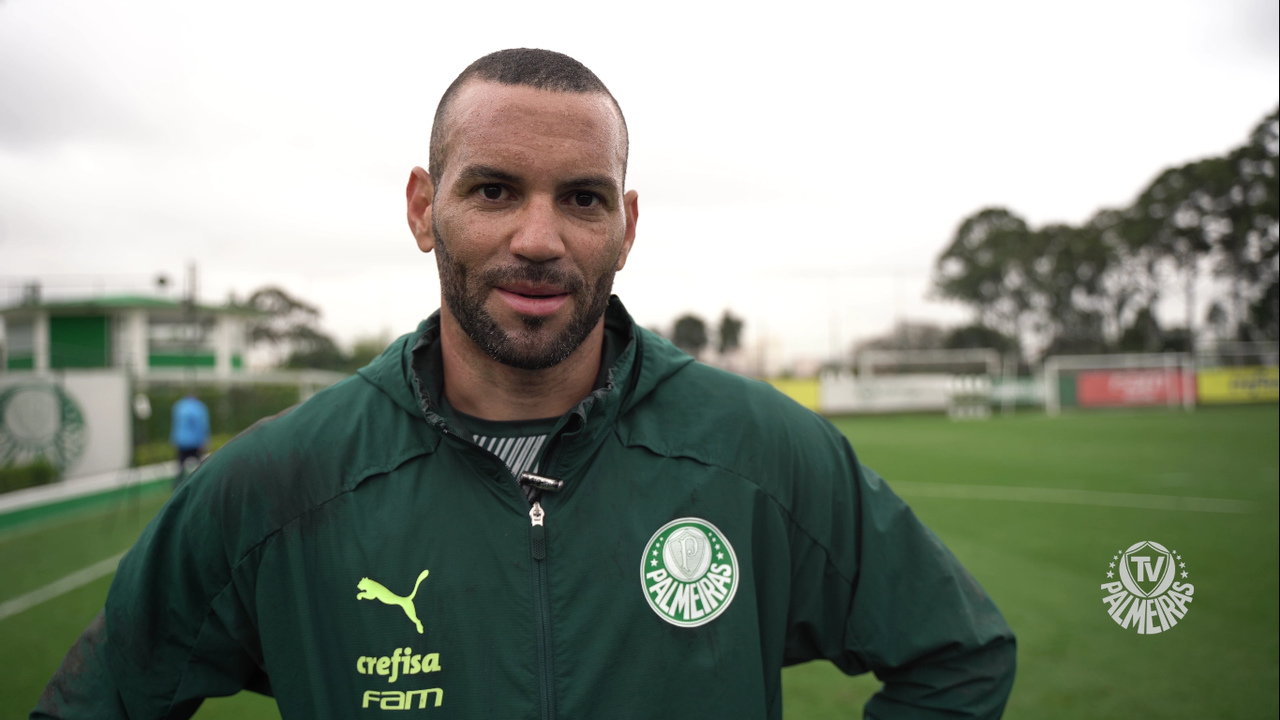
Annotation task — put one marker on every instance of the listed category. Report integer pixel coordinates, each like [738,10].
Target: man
[189,434]
[531,507]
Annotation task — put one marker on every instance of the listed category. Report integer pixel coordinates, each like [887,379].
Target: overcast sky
[800,163]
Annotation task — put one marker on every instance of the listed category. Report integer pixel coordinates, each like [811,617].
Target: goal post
[973,360]
[1124,380]
[956,381]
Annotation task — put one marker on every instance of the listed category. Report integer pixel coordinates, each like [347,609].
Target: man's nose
[538,237]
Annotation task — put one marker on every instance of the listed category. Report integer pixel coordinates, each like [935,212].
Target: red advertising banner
[1155,386]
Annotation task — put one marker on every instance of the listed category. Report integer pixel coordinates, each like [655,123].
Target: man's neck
[478,385]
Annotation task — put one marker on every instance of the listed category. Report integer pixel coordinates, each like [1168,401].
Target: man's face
[529,219]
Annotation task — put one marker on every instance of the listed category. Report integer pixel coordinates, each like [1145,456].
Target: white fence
[842,392]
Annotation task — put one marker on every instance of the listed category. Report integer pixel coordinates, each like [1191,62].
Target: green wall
[80,342]
[195,359]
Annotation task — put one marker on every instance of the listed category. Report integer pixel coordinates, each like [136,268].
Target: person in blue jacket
[189,433]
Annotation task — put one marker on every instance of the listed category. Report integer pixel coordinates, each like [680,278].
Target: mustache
[533,274]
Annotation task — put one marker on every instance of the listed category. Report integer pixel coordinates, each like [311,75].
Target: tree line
[1095,287]
[290,326]
[691,334]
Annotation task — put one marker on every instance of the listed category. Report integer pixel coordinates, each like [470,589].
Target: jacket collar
[410,373]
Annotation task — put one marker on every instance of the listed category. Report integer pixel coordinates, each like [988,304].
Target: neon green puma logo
[374,590]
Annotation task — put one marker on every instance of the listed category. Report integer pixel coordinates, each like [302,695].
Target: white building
[143,335]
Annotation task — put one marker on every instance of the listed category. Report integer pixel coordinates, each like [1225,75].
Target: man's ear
[418,196]
[630,208]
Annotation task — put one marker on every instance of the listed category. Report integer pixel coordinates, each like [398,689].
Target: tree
[1096,287]
[365,350]
[1144,335]
[690,334]
[279,315]
[290,326]
[312,348]
[1068,282]
[977,336]
[1247,196]
[1042,286]
[987,266]
[1264,314]
[729,336]
[907,335]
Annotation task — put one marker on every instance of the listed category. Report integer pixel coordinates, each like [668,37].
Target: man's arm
[874,590]
[176,627]
[920,621]
[82,687]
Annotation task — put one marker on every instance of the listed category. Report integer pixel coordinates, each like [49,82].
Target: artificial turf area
[1041,553]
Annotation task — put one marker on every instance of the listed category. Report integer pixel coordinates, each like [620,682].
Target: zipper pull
[541,482]
[537,532]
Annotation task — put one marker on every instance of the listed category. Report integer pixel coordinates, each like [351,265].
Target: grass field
[1035,507]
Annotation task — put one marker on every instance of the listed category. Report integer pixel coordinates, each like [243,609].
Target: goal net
[957,382]
[1128,380]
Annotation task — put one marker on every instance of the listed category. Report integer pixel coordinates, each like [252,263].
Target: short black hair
[541,69]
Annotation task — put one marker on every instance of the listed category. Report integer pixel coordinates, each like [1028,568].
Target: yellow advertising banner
[1239,385]
[803,391]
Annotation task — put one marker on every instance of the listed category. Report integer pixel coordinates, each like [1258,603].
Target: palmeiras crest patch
[689,572]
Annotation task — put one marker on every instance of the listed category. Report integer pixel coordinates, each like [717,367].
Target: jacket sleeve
[920,621]
[176,627]
[879,592]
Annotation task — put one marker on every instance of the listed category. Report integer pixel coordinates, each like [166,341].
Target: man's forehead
[487,114]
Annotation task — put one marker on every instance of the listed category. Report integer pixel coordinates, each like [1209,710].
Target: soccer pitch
[1035,508]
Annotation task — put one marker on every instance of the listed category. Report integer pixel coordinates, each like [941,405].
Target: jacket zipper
[541,599]
[542,608]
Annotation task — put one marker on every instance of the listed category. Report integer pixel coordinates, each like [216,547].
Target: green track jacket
[357,558]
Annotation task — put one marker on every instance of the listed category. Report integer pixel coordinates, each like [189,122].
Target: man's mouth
[532,290]
[533,299]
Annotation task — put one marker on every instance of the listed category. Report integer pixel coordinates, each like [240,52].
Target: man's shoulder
[289,463]
[725,419]
[703,390]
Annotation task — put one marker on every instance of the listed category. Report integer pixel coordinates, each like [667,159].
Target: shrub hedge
[17,477]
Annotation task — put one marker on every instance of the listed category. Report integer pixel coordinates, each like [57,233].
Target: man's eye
[492,192]
[585,199]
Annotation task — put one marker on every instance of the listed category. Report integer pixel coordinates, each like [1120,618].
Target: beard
[532,345]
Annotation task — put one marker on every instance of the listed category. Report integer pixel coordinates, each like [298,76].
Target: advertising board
[1259,384]
[1129,388]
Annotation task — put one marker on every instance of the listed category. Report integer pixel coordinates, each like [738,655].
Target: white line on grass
[70,516]
[77,579]
[1072,497]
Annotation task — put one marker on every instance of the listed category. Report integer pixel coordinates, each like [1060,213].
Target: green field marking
[907,489]
[59,587]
